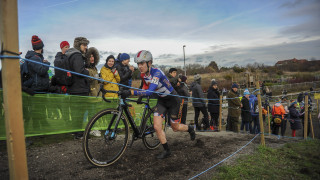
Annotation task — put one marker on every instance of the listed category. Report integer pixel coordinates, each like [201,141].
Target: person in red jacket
[277,116]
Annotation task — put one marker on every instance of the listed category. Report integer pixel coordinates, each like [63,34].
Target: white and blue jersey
[155,81]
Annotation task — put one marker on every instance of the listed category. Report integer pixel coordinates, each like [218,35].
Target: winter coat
[278,109]
[93,71]
[295,120]
[77,61]
[59,57]
[173,81]
[234,104]
[124,72]
[184,91]
[213,105]
[38,72]
[108,75]
[245,110]
[197,93]
[252,101]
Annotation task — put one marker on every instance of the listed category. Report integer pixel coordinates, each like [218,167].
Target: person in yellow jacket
[109,73]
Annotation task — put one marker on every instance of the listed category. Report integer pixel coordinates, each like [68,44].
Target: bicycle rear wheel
[150,138]
[107,148]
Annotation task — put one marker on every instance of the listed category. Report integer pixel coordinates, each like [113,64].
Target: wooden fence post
[305,117]
[311,126]
[12,96]
[269,128]
[220,112]
[260,114]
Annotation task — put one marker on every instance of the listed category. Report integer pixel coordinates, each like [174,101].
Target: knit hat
[80,40]
[36,43]
[294,102]
[213,83]
[197,77]
[235,86]
[183,78]
[124,56]
[63,44]
[246,92]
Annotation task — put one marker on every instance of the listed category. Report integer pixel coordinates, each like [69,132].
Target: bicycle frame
[123,108]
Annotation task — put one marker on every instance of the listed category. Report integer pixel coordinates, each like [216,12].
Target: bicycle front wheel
[104,140]
[150,138]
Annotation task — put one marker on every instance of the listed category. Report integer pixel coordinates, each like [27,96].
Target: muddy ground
[65,160]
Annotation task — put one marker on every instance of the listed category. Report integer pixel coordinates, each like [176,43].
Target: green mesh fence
[45,114]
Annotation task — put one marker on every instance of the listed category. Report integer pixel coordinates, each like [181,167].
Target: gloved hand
[114,71]
[125,93]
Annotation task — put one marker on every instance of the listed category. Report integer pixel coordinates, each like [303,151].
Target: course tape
[225,158]
[102,80]
[79,74]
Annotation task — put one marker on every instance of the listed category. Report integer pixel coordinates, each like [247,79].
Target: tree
[213,65]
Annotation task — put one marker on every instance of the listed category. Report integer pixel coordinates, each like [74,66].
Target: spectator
[214,105]
[92,60]
[173,78]
[80,85]
[254,110]
[295,121]
[184,91]
[245,112]
[124,70]
[60,61]
[277,117]
[39,78]
[76,57]
[234,110]
[199,104]
[109,73]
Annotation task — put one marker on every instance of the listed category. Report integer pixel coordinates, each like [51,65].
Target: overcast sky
[228,32]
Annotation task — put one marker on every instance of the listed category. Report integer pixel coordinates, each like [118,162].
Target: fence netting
[45,114]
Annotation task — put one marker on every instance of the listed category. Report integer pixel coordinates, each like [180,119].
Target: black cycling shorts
[171,104]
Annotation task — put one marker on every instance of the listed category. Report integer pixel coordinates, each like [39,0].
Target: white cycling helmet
[143,56]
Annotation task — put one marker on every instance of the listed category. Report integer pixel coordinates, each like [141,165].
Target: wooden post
[269,128]
[305,117]
[220,113]
[317,106]
[260,114]
[12,97]
[311,126]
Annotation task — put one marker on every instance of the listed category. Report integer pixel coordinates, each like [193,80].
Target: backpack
[62,78]
[26,78]
[255,107]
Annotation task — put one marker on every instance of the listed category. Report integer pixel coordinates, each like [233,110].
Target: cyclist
[155,80]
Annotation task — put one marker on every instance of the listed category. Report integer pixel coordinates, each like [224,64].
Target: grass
[293,161]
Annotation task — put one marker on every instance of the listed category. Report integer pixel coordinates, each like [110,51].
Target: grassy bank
[293,161]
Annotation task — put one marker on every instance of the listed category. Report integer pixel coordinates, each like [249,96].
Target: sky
[229,32]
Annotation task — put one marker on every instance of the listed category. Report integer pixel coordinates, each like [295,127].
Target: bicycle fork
[113,131]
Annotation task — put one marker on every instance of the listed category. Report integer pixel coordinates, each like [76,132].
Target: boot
[164,154]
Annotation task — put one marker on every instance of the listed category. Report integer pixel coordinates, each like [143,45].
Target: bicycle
[113,124]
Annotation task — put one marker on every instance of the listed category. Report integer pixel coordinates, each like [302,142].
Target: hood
[59,54]
[30,54]
[278,104]
[193,84]
[94,51]
[72,51]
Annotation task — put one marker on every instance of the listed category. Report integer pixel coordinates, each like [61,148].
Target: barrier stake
[305,130]
[12,96]
[260,114]
[311,126]
[220,113]
[269,128]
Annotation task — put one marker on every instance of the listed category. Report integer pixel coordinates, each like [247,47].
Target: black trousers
[214,119]
[184,113]
[283,127]
[205,116]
